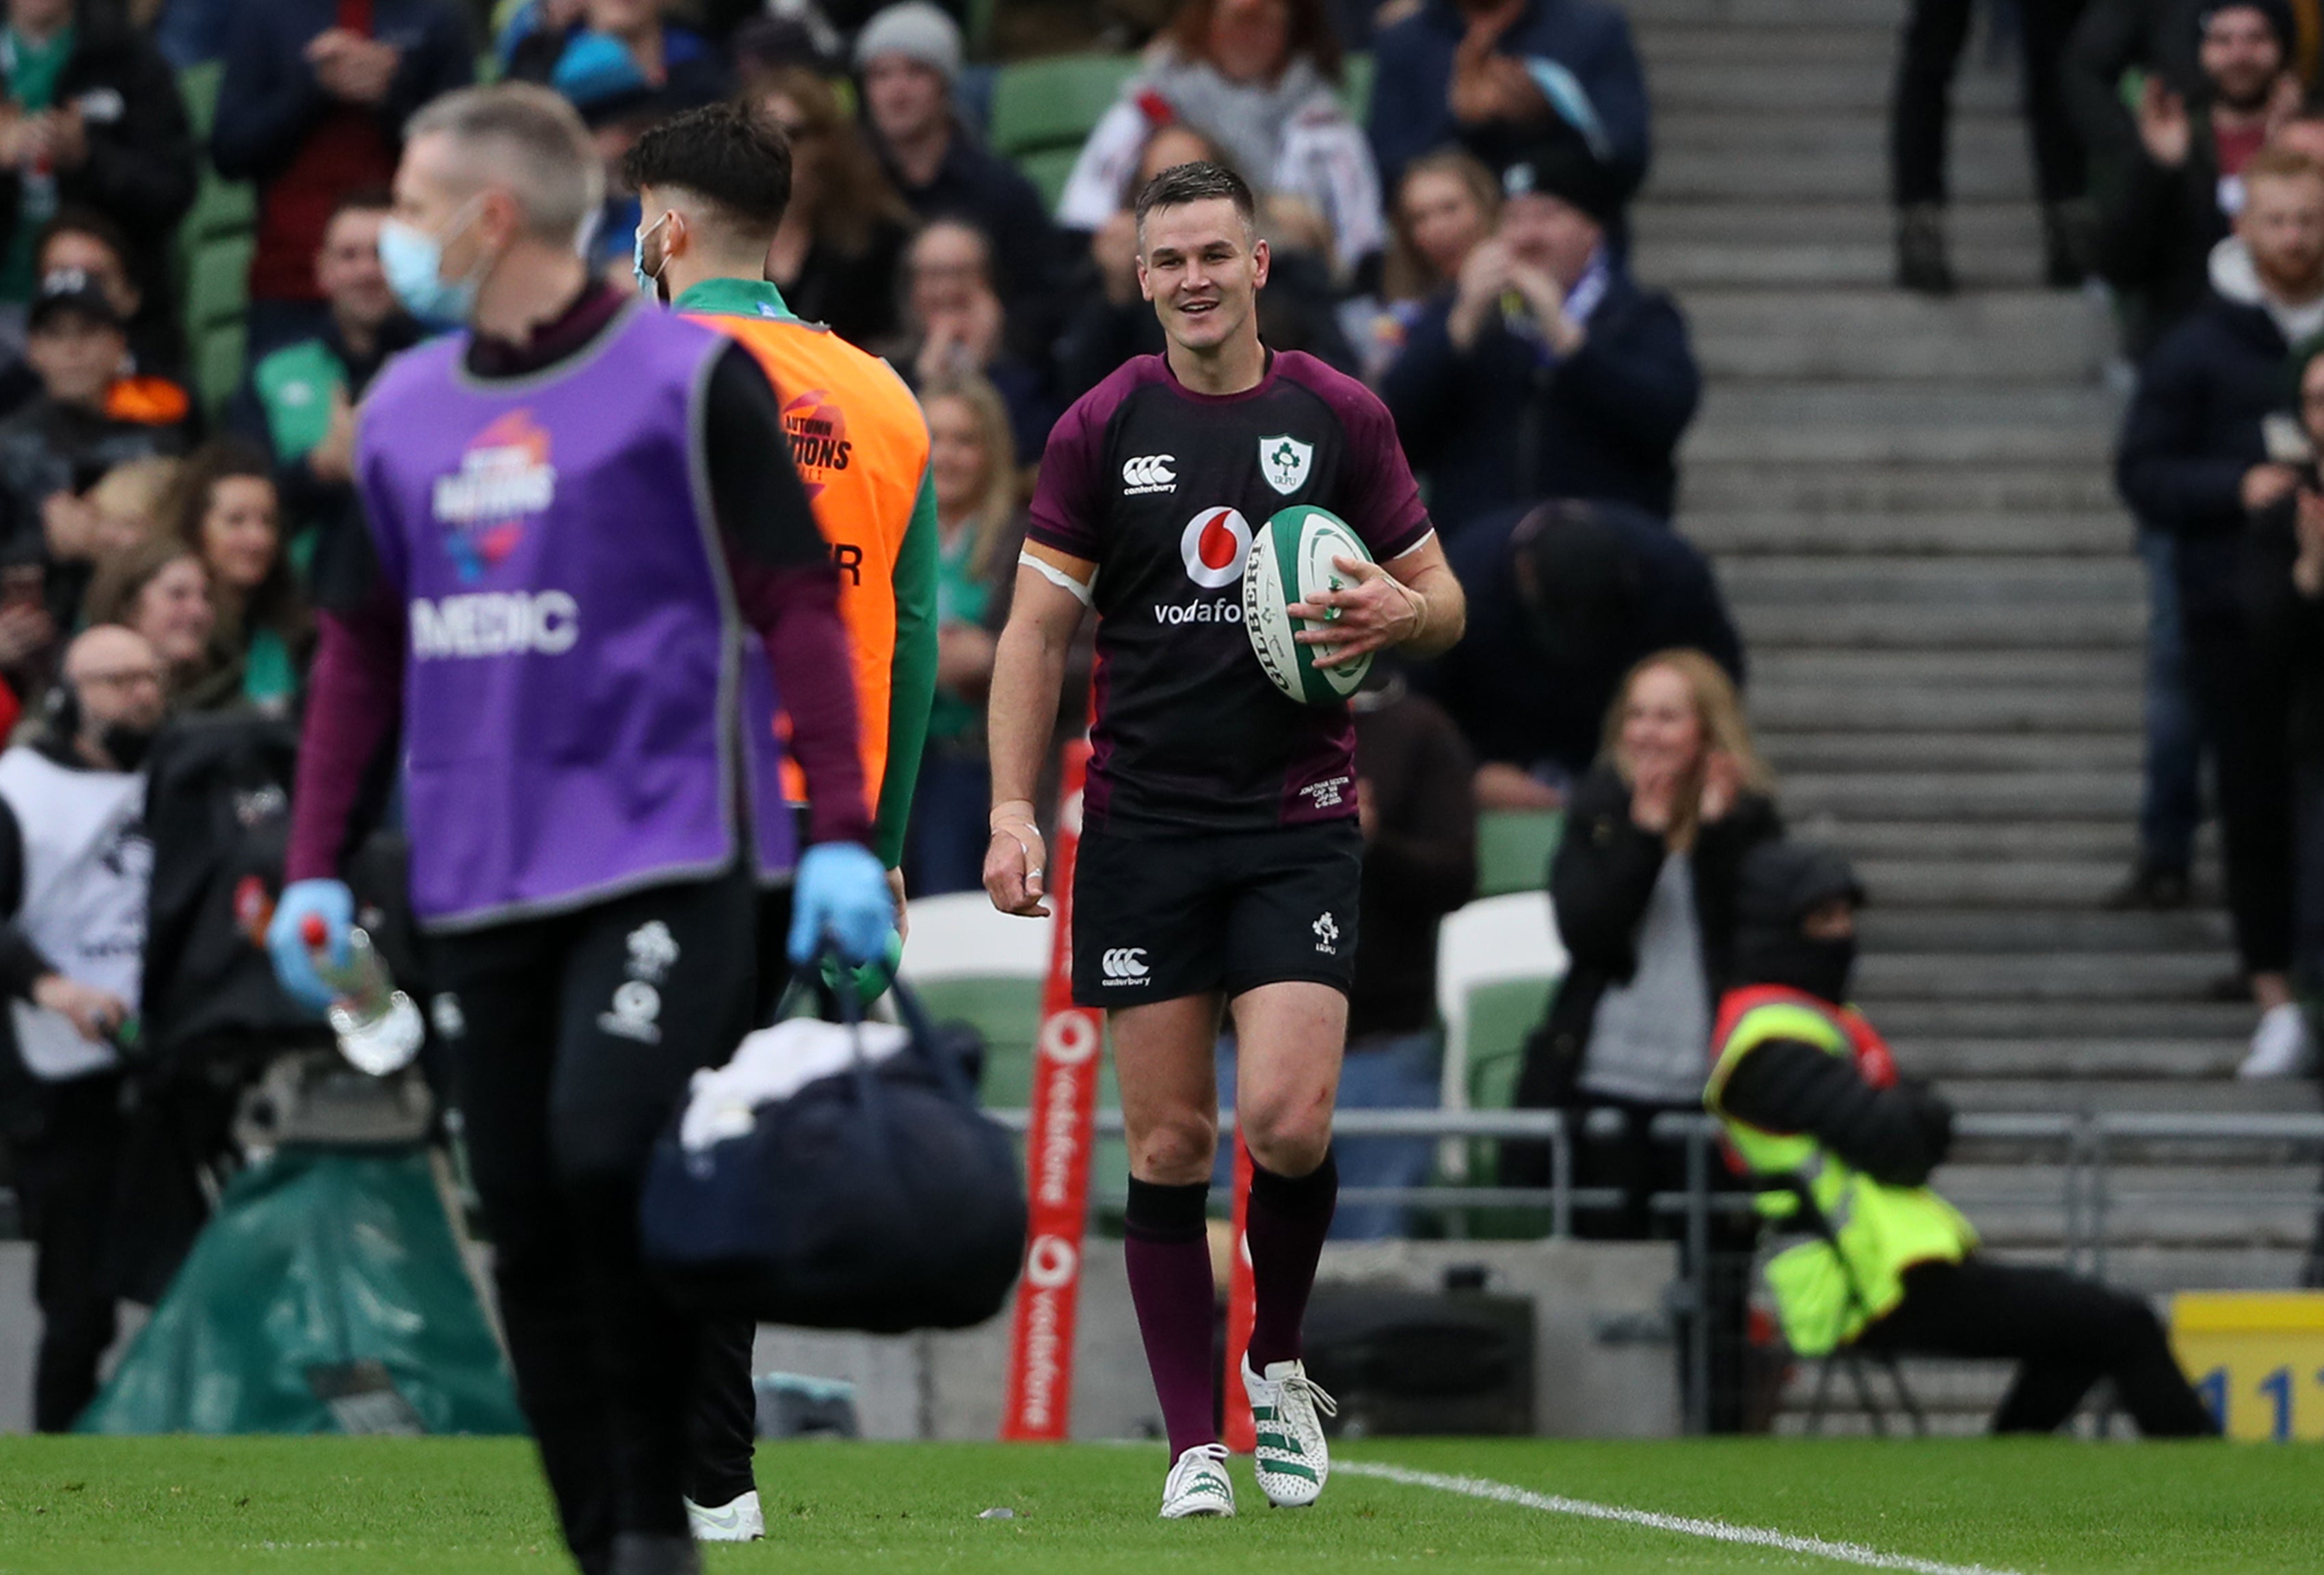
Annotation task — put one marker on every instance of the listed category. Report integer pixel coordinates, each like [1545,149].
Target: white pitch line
[1717,1531]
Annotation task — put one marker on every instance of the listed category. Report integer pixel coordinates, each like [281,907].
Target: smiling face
[173,611]
[948,266]
[1661,727]
[240,533]
[2241,58]
[1443,218]
[1203,270]
[348,269]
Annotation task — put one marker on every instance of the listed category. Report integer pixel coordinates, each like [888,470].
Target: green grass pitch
[195,1506]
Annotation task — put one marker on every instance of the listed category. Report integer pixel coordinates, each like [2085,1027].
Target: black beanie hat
[1564,168]
[1778,885]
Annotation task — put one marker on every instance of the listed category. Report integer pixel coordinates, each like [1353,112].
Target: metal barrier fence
[2087,1142]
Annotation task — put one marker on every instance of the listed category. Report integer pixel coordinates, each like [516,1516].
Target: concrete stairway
[1911,507]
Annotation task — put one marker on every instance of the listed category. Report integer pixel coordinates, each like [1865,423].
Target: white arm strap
[1058,578]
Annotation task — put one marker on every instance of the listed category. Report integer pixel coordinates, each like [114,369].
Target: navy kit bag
[837,1175]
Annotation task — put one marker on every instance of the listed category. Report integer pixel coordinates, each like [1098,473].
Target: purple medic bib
[581,702]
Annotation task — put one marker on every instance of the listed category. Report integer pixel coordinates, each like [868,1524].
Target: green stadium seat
[1049,170]
[1513,847]
[217,282]
[198,86]
[1044,104]
[1008,1013]
[217,365]
[221,208]
[1355,86]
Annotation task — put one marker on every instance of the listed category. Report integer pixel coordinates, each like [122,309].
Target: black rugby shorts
[1163,917]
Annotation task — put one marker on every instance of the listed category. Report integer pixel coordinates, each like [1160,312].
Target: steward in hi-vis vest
[1810,1095]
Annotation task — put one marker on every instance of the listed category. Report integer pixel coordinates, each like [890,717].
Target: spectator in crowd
[82,239]
[1808,1095]
[1297,310]
[88,420]
[1446,206]
[93,120]
[74,873]
[605,47]
[2176,186]
[312,107]
[1643,886]
[1564,599]
[1260,77]
[972,460]
[2196,461]
[839,254]
[909,57]
[1548,369]
[2284,587]
[297,403]
[1498,76]
[956,326]
[1918,112]
[228,512]
[160,589]
[131,504]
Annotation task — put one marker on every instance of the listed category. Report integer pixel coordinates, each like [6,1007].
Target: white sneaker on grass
[739,1520]
[2280,1048]
[1292,1459]
[1198,1484]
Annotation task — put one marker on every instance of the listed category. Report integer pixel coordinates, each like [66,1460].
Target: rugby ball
[1290,560]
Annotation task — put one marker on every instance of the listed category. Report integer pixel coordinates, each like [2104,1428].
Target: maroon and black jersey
[1162,488]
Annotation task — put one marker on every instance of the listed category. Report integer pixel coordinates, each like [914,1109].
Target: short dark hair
[372,198]
[733,158]
[74,220]
[1199,182]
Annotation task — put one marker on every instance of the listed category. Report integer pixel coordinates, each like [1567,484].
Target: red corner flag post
[1242,1308]
[1057,1148]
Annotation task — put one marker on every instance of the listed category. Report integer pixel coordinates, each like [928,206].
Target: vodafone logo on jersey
[1215,545]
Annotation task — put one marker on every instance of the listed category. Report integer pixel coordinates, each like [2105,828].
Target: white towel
[773,1064]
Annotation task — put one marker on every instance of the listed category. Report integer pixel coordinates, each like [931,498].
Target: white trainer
[740,1520]
[2279,1048]
[1198,1484]
[1292,1459]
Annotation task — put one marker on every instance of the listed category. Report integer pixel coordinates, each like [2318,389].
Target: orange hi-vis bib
[862,447]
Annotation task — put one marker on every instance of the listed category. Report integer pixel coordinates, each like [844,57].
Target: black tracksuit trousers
[2067,1332]
[577,1033]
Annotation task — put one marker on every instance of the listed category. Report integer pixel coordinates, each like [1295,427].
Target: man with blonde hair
[594,571]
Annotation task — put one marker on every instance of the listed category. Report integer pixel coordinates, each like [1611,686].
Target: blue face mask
[648,284]
[413,260]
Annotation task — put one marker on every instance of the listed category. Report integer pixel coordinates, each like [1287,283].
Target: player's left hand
[1377,611]
[842,895]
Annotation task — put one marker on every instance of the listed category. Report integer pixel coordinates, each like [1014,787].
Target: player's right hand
[1016,865]
[287,943]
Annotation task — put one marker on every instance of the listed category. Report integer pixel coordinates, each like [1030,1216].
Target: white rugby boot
[1198,1484]
[1292,1459]
[740,1520]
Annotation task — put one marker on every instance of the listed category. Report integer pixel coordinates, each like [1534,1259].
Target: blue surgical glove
[841,892]
[286,940]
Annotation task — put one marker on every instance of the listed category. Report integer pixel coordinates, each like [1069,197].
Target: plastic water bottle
[380,1029]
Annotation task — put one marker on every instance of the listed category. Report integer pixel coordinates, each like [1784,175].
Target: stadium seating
[213,248]
[1513,847]
[1043,111]
[1496,961]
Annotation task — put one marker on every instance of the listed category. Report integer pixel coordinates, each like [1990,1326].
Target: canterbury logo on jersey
[1124,965]
[1149,473]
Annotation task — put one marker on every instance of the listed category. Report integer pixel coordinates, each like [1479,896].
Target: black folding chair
[1808,1215]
